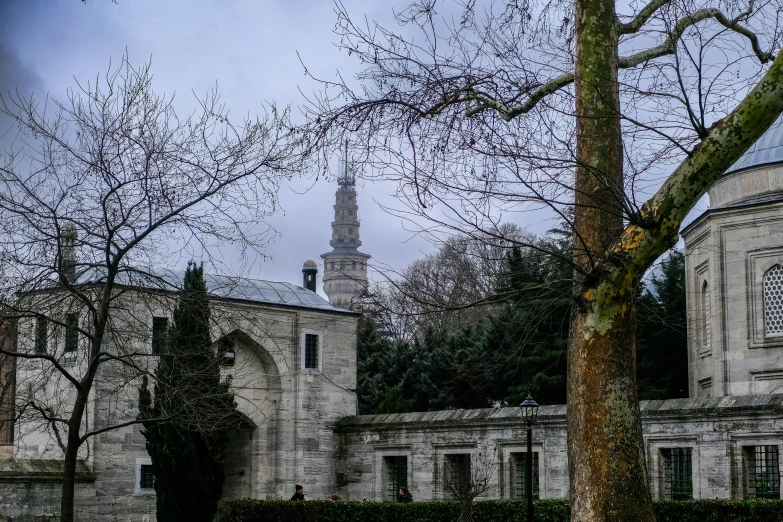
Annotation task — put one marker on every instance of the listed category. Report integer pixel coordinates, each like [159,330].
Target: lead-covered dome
[757,177]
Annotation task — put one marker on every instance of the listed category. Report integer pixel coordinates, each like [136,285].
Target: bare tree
[95,193]
[621,116]
[467,479]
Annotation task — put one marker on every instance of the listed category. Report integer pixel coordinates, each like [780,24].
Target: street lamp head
[529,409]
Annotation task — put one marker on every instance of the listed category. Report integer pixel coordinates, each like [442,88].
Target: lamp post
[529,409]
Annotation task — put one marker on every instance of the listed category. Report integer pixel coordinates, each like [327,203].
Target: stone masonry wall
[718,431]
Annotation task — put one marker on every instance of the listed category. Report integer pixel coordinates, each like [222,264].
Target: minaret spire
[345,268]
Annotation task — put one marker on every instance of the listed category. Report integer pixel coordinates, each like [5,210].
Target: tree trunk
[464,511]
[605,448]
[69,461]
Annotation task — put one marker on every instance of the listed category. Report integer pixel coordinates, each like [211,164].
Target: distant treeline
[483,322]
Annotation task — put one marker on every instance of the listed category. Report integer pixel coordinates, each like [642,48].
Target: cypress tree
[187,422]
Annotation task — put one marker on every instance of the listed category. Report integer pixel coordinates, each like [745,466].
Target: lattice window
[763,472]
[457,472]
[146,477]
[311,351]
[677,474]
[705,317]
[519,474]
[773,300]
[396,475]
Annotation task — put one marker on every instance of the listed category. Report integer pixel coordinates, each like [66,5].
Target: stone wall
[716,430]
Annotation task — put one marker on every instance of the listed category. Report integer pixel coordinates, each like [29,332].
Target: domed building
[734,277]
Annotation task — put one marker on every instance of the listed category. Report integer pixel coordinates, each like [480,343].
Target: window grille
[311,351]
[159,326]
[705,310]
[773,300]
[677,474]
[519,469]
[458,471]
[397,474]
[71,332]
[764,472]
[41,334]
[146,477]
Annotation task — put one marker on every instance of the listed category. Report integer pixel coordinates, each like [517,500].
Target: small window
[227,351]
[71,333]
[773,300]
[159,326]
[677,474]
[353,265]
[396,475]
[342,265]
[331,265]
[519,473]
[762,475]
[41,333]
[146,477]
[350,231]
[311,351]
[350,213]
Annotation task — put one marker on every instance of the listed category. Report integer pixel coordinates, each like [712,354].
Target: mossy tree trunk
[605,446]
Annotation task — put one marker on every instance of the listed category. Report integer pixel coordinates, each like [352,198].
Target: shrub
[483,511]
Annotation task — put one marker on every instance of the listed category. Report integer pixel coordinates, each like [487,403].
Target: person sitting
[299,495]
[404,495]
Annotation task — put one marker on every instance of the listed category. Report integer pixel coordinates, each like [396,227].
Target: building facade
[293,363]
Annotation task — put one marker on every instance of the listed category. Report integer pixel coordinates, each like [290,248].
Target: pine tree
[188,420]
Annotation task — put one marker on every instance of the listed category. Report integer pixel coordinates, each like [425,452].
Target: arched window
[773,300]
[705,316]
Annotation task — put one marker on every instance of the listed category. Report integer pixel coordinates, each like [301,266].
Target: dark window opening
[763,477]
[311,351]
[677,474]
[146,477]
[350,231]
[457,475]
[71,332]
[226,351]
[519,473]
[7,390]
[396,475]
[159,326]
[41,333]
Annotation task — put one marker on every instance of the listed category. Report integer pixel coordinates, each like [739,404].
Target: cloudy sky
[249,47]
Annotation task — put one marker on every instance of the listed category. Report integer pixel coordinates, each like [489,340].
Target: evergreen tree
[394,402]
[661,333]
[188,420]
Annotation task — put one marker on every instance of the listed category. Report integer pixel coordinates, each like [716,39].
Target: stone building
[292,356]
[722,442]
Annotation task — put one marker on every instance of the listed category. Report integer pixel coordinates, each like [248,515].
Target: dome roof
[768,149]
[310,265]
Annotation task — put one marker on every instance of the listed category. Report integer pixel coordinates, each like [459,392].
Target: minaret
[345,268]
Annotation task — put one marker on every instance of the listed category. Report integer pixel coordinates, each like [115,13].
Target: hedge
[484,511]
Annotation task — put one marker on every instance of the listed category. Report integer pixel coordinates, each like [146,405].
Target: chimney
[309,271]
[68,250]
